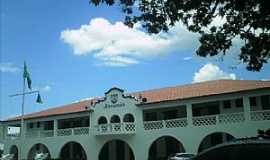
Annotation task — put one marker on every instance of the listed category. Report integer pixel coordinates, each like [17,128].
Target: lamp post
[26,76]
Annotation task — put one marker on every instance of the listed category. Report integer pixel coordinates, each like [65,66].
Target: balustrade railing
[48,133]
[115,128]
[12,136]
[130,128]
[197,121]
[73,131]
[32,134]
[60,132]
[231,118]
[219,119]
[151,125]
[64,132]
[205,120]
[39,134]
[81,131]
[172,123]
[260,115]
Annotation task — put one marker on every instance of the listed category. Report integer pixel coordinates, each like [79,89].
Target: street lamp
[26,78]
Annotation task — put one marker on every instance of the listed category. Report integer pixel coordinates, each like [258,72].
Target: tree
[246,20]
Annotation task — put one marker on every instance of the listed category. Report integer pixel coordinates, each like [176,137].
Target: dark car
[181,156]
[238,149]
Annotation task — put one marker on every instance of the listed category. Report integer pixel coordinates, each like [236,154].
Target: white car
[7,157]
[41,156]
[181,156]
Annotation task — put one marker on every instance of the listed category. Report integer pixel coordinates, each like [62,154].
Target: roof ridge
[187,84]
[164,94]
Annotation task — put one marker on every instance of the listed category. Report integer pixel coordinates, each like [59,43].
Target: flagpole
[22,127]
[26,76]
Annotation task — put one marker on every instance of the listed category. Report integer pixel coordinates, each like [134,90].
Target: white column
[4,131]
[189,114]
[55,127]
[246,108]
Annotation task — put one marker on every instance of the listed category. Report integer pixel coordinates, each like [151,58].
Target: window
[150,116]
[38,124]
[239,102]
[172,114]
[115,119]
[48,125]
[128,118]
[265,102]
[227,104]
[252,101]
[102,120]
[31,125]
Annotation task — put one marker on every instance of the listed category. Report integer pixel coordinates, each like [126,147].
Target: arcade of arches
[72,151]
[116,150]
[164,146]
[160,149]
[214,139]
[38,148]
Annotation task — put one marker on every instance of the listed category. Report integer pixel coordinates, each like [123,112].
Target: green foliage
[248,20]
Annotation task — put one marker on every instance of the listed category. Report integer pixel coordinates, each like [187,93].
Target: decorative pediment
[114,97]
[114,89]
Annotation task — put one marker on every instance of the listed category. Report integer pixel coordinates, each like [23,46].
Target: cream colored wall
[141,141]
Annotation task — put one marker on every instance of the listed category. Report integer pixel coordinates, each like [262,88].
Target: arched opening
[214,139]
[163,147]
[115,119]
[102,120]
[128,118]
[72,151]
[116,150]
[14,150]
[38,149]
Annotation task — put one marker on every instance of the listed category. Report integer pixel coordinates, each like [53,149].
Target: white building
[147,125]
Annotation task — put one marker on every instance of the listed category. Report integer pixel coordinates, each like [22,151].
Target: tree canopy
[246,20]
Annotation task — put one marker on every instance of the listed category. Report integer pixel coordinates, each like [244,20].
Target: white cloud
[211,72]
[118,45]
[45,88]
[8,67]
[187,58]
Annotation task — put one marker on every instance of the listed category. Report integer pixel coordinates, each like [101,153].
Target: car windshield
[185,155]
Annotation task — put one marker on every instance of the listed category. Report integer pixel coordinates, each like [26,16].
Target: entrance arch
[164,146]
[116,150]
[36,149]
[214,139]
[72,151]
[14,150]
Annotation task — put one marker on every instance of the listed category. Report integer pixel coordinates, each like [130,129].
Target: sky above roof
[76,51]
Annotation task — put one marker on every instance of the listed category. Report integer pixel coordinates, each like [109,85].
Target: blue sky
[75,51]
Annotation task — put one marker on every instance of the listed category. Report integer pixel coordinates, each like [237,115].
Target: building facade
[148,125]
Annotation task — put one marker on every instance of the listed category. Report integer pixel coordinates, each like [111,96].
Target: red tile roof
[164,94]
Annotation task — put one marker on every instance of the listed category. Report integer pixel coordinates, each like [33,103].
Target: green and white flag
[27,76]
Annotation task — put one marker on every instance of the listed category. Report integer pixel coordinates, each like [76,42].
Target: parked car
[181,156]
[7,157]
[238,149]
